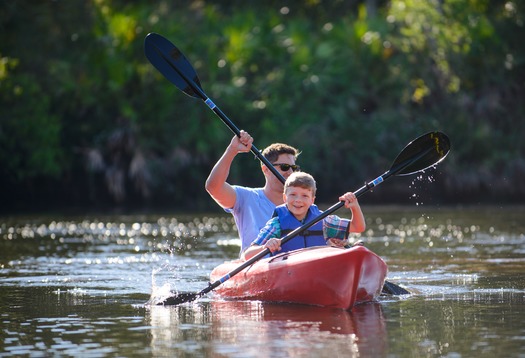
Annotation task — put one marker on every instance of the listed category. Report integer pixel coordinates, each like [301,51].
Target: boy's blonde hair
[301,180]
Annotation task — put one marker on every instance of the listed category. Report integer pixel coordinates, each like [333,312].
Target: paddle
[172,63]
[423,152]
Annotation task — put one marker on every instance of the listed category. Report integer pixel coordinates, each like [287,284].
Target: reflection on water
[477,324]
[251,328]
[77,286]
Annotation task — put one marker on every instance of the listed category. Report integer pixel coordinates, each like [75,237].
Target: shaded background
[86,122]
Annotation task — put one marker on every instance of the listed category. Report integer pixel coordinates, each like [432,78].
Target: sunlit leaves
[123,27]
[6,64]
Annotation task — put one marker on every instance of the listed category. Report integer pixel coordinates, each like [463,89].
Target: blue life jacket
[313,236]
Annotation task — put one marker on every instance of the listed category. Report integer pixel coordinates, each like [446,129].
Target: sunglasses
[286,167]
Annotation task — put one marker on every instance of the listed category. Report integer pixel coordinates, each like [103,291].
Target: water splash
[158,293]
[417,185]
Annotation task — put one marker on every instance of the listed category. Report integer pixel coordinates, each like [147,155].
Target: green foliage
[29,132]
[349,83]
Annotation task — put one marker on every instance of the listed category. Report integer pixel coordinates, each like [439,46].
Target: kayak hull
[321,276]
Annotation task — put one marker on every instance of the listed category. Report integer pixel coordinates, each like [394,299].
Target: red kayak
[322,276]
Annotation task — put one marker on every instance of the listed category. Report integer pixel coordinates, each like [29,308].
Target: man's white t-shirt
[251,211]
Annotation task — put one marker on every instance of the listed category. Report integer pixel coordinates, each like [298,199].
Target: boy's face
[298,200]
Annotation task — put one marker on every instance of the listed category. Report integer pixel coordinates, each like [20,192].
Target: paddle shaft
[197,90]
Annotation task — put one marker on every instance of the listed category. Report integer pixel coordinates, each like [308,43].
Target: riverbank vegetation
[87,121]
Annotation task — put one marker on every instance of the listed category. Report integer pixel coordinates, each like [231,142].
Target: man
[251,207]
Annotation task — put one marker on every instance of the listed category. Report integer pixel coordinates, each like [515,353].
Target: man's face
[283,164]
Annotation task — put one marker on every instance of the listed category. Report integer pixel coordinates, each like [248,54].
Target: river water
[78,286]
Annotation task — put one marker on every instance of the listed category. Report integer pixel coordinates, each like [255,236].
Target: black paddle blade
[179,299]
[390,288]
[422,153]
[172,63]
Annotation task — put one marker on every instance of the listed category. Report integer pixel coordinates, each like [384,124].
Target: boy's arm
[358,223]
[268,238]
[251,251]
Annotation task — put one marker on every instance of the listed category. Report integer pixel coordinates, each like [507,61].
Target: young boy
[299,208]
